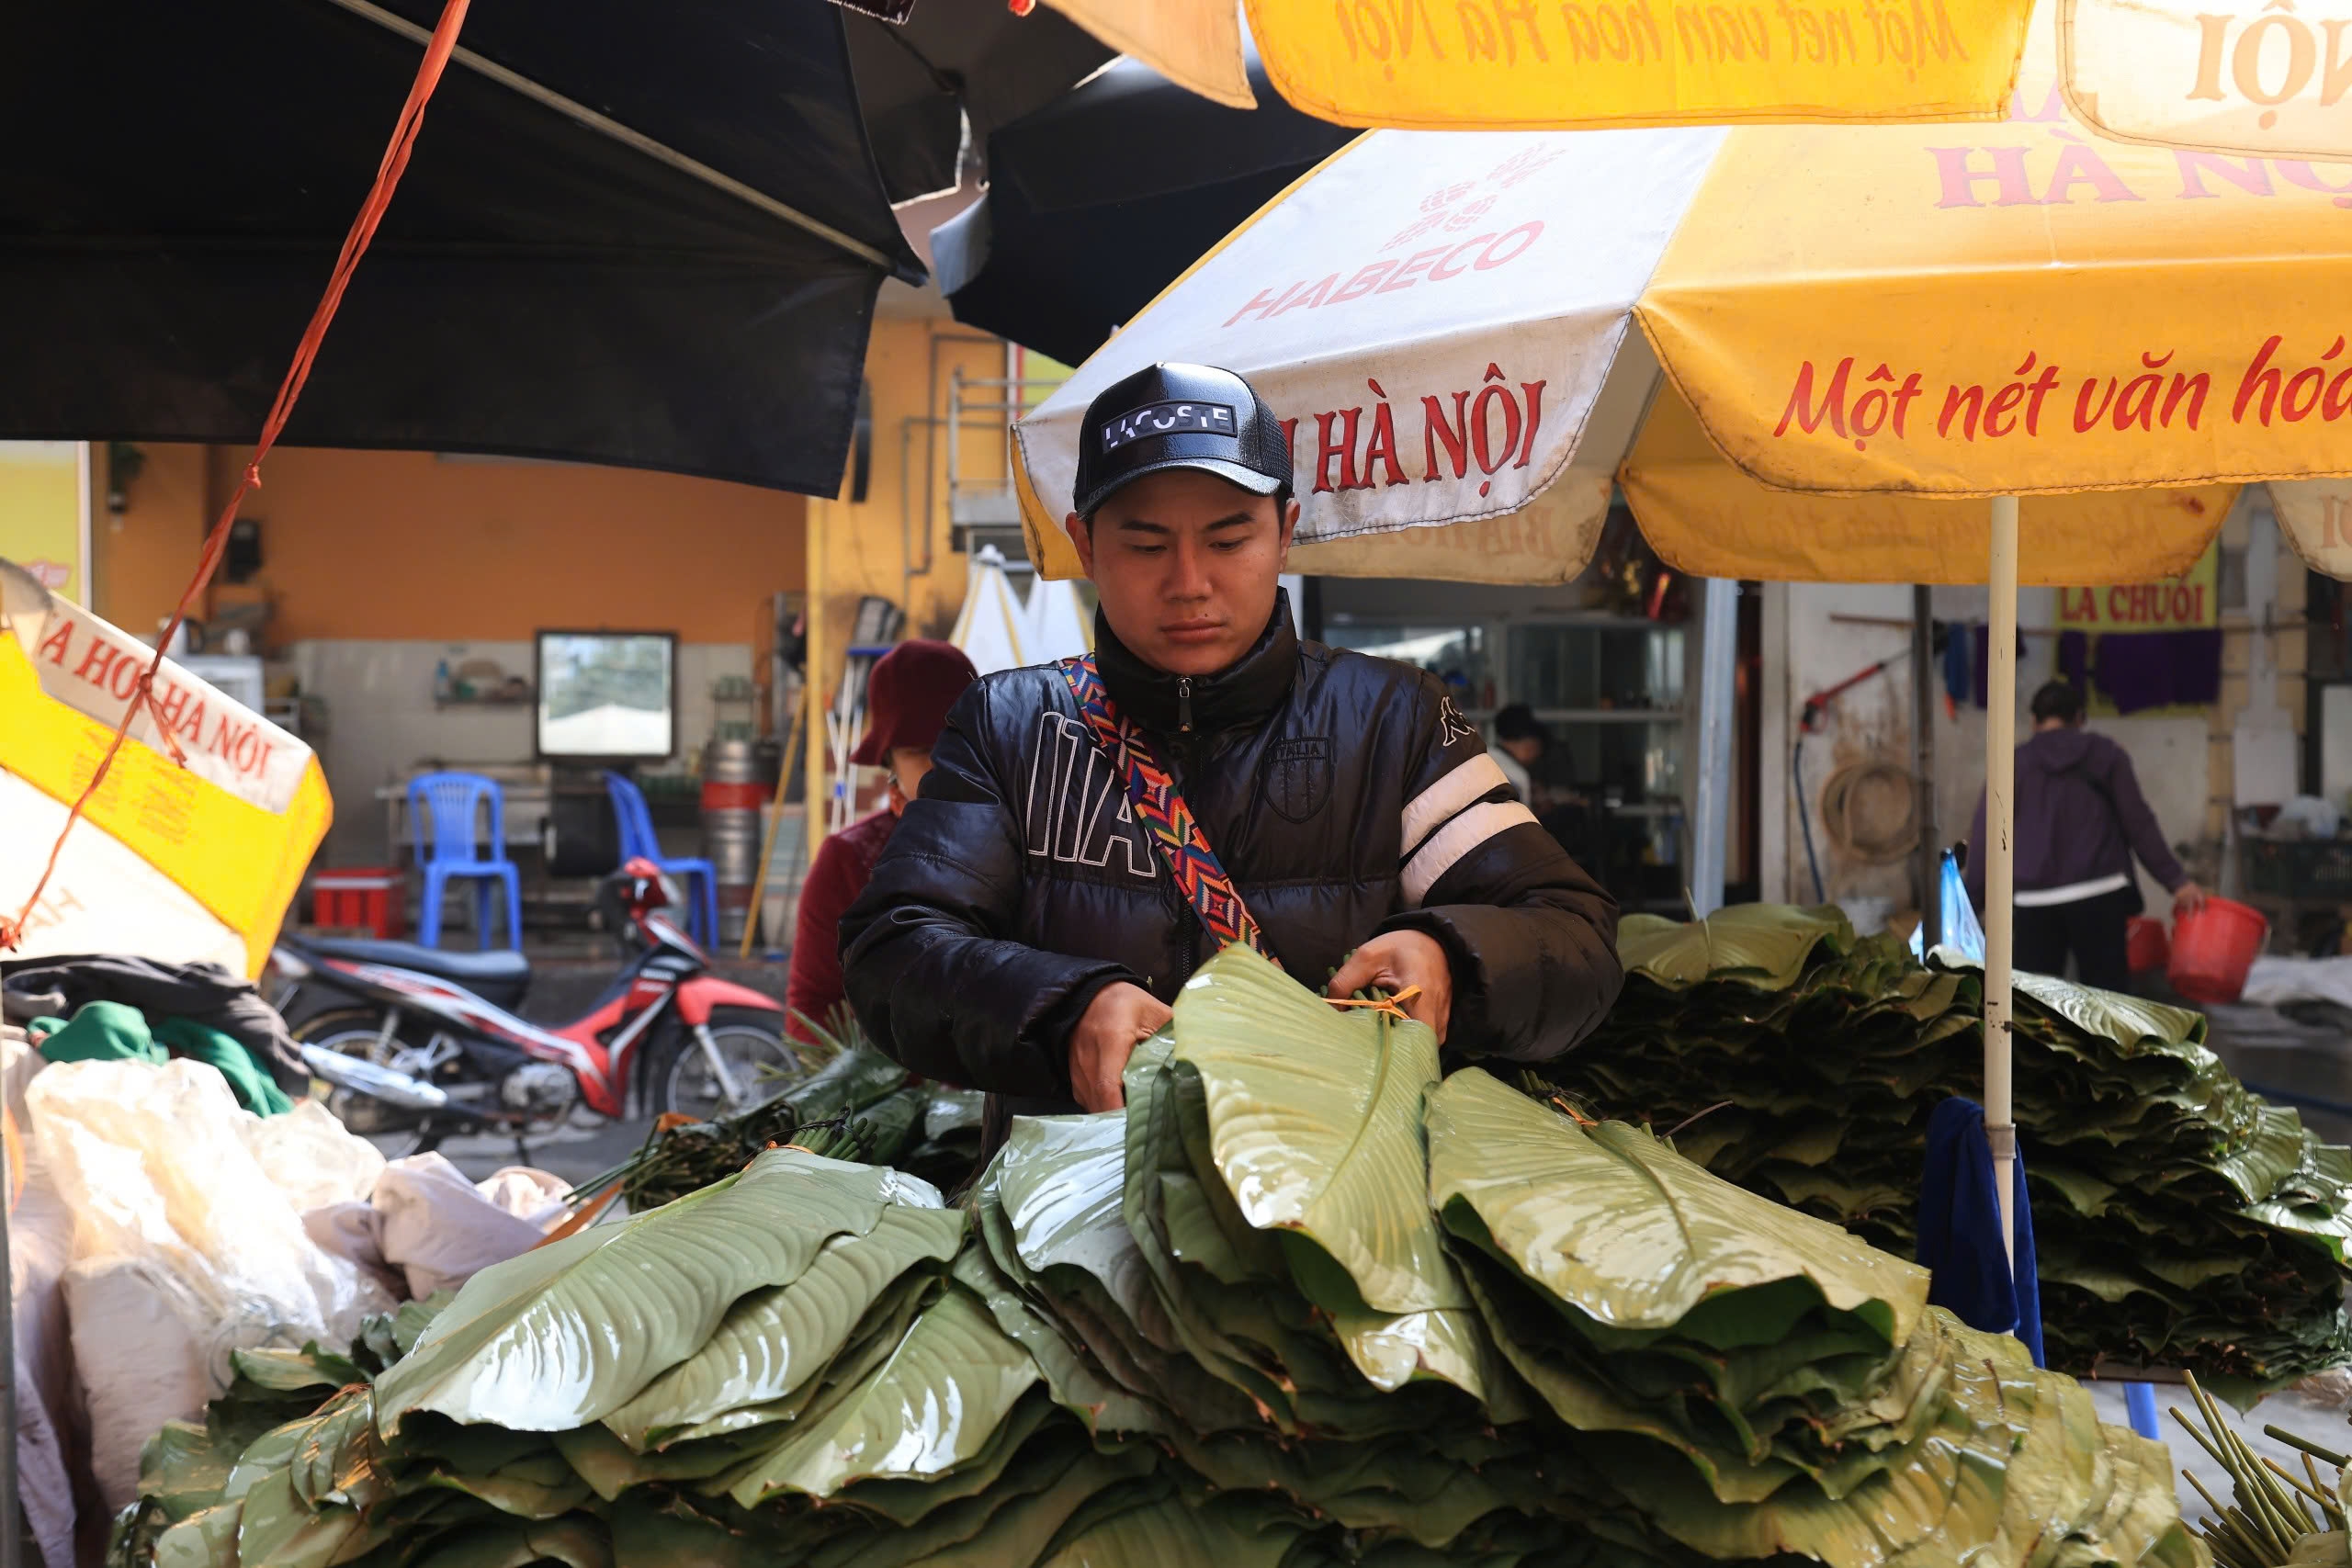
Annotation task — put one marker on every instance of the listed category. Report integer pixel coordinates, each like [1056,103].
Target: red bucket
[2213,948]
[2146,948]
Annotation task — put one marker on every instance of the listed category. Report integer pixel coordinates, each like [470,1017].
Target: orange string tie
[1387,1007]
[216,544]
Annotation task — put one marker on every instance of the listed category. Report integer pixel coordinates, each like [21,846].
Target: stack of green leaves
[859,1105]
[1301,1305]
[2179,1220]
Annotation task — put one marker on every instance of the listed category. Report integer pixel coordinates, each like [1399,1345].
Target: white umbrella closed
[1054,627]
[992,628]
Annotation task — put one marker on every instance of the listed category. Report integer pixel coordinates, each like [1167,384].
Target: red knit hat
[906,698]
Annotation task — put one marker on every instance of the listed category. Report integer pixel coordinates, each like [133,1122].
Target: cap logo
[1168,419]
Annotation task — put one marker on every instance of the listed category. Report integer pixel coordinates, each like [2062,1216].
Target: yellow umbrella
[1478,334]
[1518,64]
[2259,81]
[2033,312]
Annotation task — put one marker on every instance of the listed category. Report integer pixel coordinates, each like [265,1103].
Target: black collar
[1243,693]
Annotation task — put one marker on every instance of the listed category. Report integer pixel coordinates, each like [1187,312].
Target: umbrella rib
[607,125]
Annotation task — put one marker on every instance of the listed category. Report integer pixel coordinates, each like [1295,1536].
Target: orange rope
[1388,1007]
[216,544]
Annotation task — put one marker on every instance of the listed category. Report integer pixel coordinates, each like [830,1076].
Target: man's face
[907,767]
[1184,564]
[1526,749]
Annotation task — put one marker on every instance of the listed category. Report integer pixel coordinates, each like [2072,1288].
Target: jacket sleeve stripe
[1477,776]
[1473,828]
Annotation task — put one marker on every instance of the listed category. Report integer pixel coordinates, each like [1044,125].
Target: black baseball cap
[1179,416]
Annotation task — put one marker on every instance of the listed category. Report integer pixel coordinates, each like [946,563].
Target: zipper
[1181,756]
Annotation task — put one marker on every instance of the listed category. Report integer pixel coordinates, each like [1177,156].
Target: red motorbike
[424,1045]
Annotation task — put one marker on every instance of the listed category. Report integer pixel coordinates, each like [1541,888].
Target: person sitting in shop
[1040,906]
[1518,746]
[906,698]
[2080,818]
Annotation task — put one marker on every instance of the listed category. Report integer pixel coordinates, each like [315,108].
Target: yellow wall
[883,544]
[879,546]
[406,545]
[403,544]
[142,558]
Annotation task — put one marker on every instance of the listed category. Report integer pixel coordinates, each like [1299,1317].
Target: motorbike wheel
[354,1032]
[761,1059]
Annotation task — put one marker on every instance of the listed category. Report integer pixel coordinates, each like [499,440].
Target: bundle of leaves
[185,1467]
[859,1105]
[2179,1220]
[1302,1304]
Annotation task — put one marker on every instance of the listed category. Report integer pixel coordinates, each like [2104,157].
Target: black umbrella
[1100,200]
[639,234]
[953,62]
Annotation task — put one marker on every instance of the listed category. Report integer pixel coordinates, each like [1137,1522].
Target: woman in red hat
[907,699]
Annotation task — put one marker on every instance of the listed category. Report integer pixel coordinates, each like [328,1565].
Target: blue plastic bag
[1961,931]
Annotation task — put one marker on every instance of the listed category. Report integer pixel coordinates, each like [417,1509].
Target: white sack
[155,1163]
[140,1363]
[439,1228]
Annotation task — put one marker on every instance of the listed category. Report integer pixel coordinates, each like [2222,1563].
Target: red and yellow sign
[192,847]
[2190,602]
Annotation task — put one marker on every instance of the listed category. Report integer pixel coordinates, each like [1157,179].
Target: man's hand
[2187,898]
[1121,1017]
[1394,961]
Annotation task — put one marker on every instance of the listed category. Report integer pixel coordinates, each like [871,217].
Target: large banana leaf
[205,1538]
[1016,1529]
[773,1340]
[276,1527]
[1078,1385]
[1061,1180]
[1314,1116]
[575,1542]
[2130,1022]
[1765,945]
[1155,1346]
[929,1408]
[1616,1226]
[185,1467]
[2181,1222]
[570,1333]
[1230,1531]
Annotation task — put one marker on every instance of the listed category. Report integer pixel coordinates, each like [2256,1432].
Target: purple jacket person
[2080,818]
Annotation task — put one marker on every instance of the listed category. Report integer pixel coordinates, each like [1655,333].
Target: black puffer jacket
[1346,795]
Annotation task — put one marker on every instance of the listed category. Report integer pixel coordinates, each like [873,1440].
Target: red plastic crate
[359,897]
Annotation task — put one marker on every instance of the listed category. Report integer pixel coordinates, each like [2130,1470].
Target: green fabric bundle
[112,1032]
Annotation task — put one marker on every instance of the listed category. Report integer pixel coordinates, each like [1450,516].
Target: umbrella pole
[2000,864]
[1719,671]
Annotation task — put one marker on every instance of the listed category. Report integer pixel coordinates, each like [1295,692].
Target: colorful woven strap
[1153,794]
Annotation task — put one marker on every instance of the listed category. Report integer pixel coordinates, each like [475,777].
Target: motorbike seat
[498,975]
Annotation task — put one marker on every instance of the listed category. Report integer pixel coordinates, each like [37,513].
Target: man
[1519,745]
[1022,931]
[2080,818]
[906,698]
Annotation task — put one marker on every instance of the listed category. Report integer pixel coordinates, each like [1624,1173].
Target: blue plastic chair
[442,809]
[635,820]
